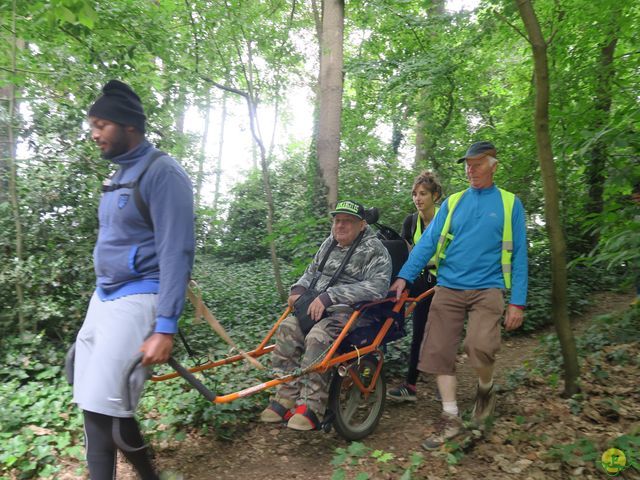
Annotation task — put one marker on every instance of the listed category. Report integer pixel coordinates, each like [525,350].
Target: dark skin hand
[157,348]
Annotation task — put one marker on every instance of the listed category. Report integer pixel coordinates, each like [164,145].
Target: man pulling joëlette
[143,263]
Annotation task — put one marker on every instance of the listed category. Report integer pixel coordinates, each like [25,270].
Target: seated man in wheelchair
[351,266]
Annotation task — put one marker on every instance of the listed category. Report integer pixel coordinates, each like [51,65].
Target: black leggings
[101,449]
[419,320]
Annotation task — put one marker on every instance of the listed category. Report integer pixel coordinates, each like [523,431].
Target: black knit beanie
[120,104]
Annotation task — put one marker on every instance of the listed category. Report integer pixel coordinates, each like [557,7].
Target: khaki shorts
[446,321]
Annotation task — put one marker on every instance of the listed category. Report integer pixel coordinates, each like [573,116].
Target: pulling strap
[202,311]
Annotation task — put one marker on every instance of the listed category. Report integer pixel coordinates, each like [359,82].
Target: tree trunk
[330,98]
[420,159]
[218,171]
[203,151]
[317,202]
[552,207]
[181,107]
[266,182]
[426,145]
[6,146]
[13,179]
[599,151]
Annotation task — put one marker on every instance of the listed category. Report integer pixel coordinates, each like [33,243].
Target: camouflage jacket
[366,276]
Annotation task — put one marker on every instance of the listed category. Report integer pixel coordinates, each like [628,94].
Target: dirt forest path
[275,452]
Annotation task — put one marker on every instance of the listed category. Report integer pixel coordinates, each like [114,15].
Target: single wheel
[356,416]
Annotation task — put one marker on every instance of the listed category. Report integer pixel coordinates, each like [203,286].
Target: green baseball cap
[350,207]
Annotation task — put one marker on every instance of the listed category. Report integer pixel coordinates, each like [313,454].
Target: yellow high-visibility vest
[416,236]
[508,199]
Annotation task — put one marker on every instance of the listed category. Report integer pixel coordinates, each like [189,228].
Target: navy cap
[479,149]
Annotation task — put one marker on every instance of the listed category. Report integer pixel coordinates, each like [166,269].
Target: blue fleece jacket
[473,258]
[131,257]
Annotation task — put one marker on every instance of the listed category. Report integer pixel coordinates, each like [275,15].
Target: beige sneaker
[304,419]
[485,404]
[446,428]
[278,411]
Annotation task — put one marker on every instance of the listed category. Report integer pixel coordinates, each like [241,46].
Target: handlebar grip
[186,374]
[189,377]
[124,388]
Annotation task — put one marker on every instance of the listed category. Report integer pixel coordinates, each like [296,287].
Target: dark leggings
[101,449]
[419,320]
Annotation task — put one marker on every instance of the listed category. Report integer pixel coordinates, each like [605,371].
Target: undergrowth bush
[39,426]
[38,423]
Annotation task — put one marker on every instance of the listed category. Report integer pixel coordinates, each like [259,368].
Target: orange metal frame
[330,360]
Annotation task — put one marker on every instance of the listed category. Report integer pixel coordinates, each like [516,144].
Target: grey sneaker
[171,475]
[446,428]
[485,404]
[402,393]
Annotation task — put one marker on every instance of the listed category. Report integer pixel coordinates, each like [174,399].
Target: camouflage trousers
[294,350]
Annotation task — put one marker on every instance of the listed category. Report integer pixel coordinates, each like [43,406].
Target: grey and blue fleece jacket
[473,258]
[132,257]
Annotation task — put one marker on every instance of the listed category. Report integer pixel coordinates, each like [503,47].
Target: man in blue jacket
[479,239]
[143,259]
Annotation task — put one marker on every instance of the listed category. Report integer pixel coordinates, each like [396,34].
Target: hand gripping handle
[186,374]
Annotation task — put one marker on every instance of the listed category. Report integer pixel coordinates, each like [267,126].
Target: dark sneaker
[446,428]
[485,404]
[403,393]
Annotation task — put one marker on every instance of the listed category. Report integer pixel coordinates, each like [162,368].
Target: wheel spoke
[351,404]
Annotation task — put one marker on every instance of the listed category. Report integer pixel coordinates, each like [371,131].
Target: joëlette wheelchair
[358,388]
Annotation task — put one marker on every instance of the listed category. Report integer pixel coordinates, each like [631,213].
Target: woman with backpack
[426,192]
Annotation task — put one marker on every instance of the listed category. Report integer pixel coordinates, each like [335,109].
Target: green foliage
[38,424]
[605,330]
[582,449]
[358,461]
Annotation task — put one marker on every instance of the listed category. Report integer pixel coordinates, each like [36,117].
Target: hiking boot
[446,428]
[485,404]
[304,419]
[437,397]
[402,393]
[278,411]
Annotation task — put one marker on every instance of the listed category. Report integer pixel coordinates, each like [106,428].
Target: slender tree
[13,176]
[202,157]
[560,310]
[330,98]
[602,107]
[218,169]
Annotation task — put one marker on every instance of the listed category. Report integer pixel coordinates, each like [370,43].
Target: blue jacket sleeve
[519,260]
[425,248]
[169,195]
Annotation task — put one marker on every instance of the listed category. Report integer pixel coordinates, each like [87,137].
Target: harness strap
[143,208]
